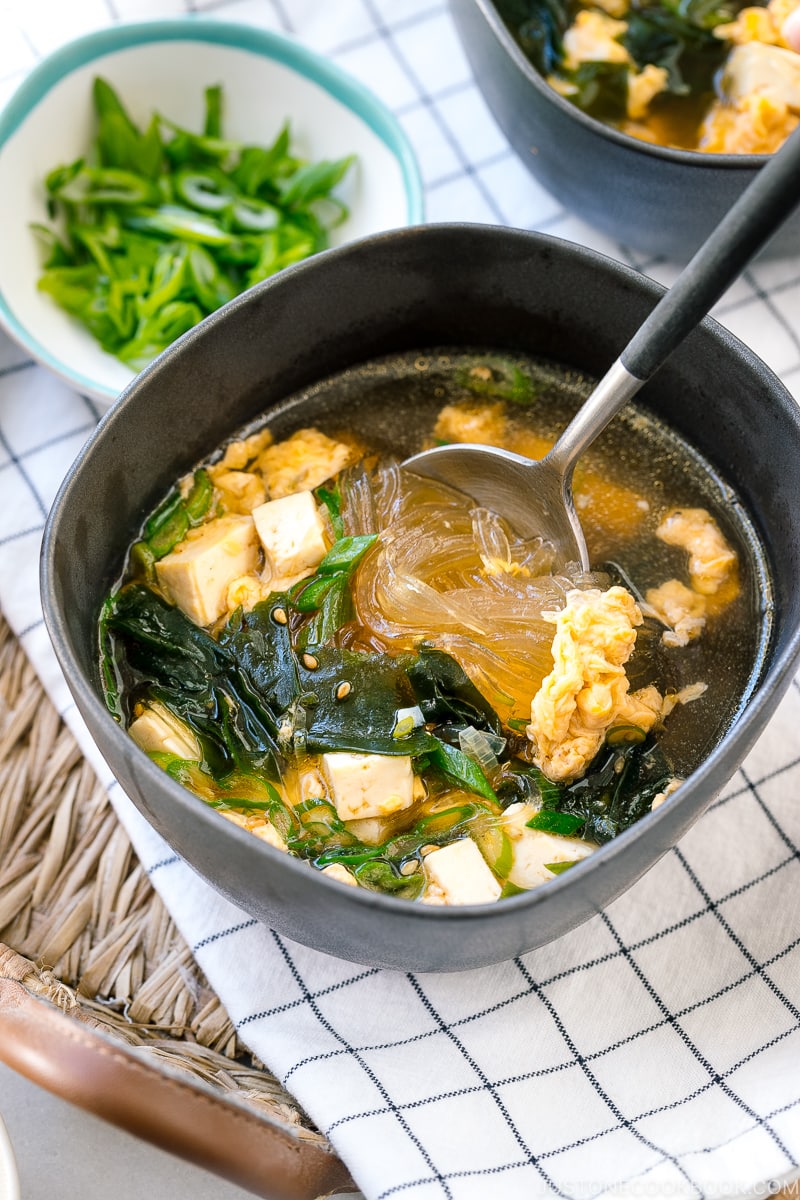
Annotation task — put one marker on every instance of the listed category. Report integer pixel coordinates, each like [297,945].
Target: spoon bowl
[535,497]
[497,479]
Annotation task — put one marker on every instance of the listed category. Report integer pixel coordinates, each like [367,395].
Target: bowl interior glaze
[411,289]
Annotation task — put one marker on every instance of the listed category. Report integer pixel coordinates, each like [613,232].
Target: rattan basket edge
[82,930]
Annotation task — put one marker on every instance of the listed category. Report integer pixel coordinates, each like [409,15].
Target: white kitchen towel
[653,1052]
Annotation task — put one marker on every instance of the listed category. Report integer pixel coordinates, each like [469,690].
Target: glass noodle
[455,573]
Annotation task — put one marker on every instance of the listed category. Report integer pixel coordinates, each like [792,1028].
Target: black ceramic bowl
[475,286]
[656,200]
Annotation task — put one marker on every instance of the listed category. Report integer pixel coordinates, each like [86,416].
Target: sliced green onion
[563,824]
[198,501]
[204,190]
[408,719]
[558,868]
[142,561]
[174,221]
[455,764]
[253,216]
[624,735]
[106,185]
[346,553]
[310,597]
[495,846]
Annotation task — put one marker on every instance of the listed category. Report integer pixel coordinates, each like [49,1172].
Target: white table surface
[61,1150]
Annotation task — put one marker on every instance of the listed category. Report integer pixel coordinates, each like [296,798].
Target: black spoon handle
[755,216]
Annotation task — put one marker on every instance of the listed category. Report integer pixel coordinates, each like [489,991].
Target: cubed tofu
[458,874]
[368,785]
[269,834]
[533,849]
[292,534]
[197,573]
[259,826]
[756,69]
[374,831]
[157,730]
[341,873]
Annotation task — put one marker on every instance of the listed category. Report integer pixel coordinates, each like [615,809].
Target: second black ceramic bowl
[654,199]
[457,285]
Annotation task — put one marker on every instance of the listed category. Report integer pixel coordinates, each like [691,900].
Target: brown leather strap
[85,1066]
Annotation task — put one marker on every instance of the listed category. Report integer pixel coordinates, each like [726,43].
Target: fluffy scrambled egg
[483,424]
[238,491]
[587,692]
[592,37]
[713,575]
[758,24]
[240,453]
[679,607]
[643,87]
[712,562]
[303,461]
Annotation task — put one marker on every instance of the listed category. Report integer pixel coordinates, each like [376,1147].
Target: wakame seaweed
[676,36]
[678,39]
[163,656]
[616,791]
[251,698]
[539,27]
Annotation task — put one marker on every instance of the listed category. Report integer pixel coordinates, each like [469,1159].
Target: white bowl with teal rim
[166,66]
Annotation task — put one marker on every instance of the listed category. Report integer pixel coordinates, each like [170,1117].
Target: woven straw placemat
[76,904]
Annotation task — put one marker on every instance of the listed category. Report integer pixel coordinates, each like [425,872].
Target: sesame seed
[409,867]
[343,690]
[310,662]
[280,615]
[428,849]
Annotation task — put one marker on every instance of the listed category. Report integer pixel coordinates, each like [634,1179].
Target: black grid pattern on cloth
[718,1081]
[715,1079]
[621,1132]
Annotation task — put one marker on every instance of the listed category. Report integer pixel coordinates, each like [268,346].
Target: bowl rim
[748,721]
[695,159]
[263,43]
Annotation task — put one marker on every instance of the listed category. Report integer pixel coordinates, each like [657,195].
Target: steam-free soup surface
[367,671]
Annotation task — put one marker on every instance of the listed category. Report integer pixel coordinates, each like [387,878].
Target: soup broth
[365,670]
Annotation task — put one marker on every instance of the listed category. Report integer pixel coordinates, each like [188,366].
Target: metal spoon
[535,497]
